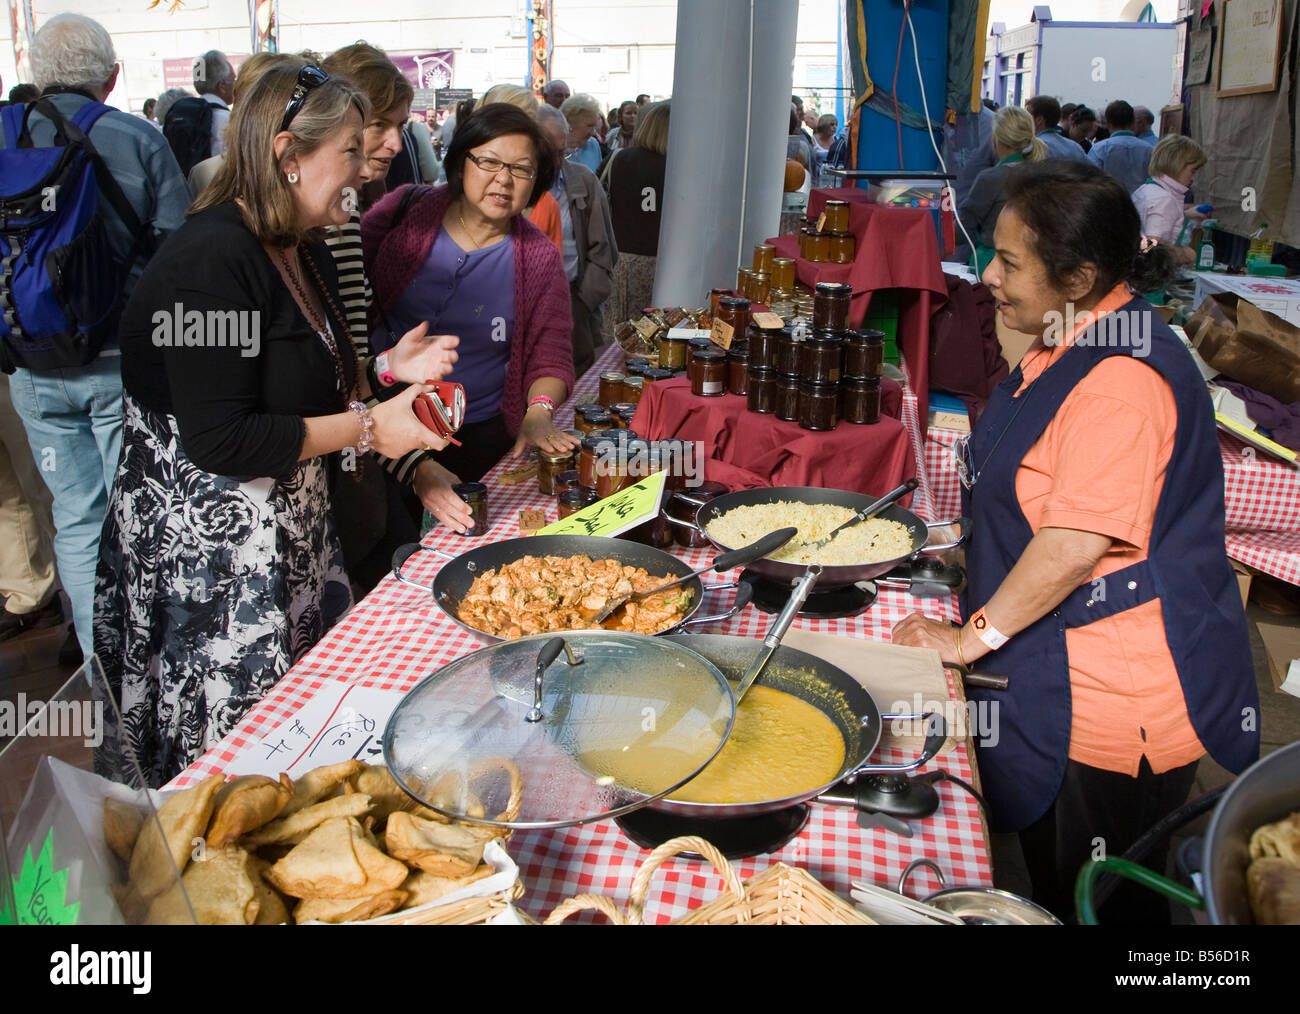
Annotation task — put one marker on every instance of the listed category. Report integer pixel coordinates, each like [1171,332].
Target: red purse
[441,410]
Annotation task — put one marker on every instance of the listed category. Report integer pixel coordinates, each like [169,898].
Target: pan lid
[622,719]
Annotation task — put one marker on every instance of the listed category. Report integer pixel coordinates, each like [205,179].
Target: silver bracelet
[367,426]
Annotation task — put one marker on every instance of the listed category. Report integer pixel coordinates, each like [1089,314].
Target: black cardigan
[239,414]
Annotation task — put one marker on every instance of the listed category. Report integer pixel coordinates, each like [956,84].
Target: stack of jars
[770,281]
[834,243]
[816,376]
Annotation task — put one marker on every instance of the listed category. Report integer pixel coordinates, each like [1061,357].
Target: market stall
[396,636]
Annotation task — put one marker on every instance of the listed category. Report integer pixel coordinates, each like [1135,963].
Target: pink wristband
[382,372]
[541,399]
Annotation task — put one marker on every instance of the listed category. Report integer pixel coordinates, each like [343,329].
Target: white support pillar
[732,76]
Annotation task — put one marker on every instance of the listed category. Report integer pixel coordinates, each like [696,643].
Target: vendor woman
[1096,576]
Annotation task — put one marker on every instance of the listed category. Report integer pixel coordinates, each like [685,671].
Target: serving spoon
[769,543]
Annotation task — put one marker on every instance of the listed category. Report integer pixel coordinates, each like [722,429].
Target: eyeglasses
[309,77]
[492,166]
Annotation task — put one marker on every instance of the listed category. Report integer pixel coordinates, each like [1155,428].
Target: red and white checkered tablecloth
[1261,497]
[396,636]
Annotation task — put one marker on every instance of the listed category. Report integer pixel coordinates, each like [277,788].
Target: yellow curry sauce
[780,746]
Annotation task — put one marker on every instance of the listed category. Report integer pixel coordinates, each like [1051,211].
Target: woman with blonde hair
[1174,163]
[1014,142]
[634,181]
[219,563]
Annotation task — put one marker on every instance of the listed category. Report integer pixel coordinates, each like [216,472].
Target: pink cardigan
[540,346]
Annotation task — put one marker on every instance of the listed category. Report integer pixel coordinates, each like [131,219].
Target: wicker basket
[779,896]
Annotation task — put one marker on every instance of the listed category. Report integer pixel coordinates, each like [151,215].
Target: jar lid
[623,406]
[871,335]
[827,334]
[635,362]
[838,234]
[635,382]
[761,373]
[554,456]
[635,369]
[467,490]
[592,441]
[736,302]
[611,376]
[700,343]
[764,246]
[709,355]
[657,373]
[871,380]
[838,204]
[721,292]
[836,290]
[572,496]
[783,260]
[789,379]
[815,387]
[738,350]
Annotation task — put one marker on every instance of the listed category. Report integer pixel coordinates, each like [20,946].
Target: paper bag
[1247,344]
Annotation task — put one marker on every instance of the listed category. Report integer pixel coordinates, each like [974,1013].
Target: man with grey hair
[588,247]
[73,414]
[555,93]
[1143,121]
[214,80]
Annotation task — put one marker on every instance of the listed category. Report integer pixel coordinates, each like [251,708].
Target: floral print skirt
[634,283]
[208,590]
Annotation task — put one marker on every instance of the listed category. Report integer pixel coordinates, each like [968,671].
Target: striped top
[354,290]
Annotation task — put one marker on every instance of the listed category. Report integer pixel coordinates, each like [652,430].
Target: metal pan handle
[403,553]
[933,744]
[963,525]
[744,593]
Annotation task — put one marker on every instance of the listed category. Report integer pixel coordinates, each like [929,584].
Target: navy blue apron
[1186,569]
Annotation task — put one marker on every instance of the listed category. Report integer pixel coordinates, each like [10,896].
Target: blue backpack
[61,284]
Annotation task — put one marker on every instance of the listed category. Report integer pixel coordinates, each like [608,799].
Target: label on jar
[712,387]
[646,327]
[689,332]
[766,319]
[722,333]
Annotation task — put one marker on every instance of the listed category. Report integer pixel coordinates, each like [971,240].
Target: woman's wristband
[986,632]
[543,401]
[383,370]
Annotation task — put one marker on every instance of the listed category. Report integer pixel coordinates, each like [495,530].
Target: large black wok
[453,581]
[826,687]
[831,577]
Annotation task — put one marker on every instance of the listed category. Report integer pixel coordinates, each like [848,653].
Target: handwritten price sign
[615,514]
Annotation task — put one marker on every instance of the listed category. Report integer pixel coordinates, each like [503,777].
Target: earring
[292,177]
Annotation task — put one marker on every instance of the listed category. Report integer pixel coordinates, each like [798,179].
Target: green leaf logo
[40,890]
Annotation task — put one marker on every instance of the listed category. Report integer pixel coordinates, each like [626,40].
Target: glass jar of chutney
[714,296]
[831,301]
[819,247]
[787,350]
[819,406]
[474,494]
[734,310]
[601,444]
[841,247]
[658,373]
[837,216]
[761,396]
[787,397]
[764,254]
[630,390]
[673,351]
[708,373]
[820,358]
[864,353]
[611,389]
[762,345]
[591,417]
[549,465]
[566,480]
[738,368]
[860,399]
[782,274]
[622,411]
[573,500]
[684,505]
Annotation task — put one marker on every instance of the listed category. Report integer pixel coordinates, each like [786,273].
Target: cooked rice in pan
[873,541]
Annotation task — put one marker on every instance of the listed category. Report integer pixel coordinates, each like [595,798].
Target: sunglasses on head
[309,77]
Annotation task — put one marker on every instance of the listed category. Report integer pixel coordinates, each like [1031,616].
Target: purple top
[469,294]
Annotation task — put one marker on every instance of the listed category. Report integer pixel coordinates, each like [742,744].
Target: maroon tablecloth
[897,249]
[746,450]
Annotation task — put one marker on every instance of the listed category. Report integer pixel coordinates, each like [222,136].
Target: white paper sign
[340,722]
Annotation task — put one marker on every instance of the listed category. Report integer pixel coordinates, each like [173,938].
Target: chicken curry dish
[542,594]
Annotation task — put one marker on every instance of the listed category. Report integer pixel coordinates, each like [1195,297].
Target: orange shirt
[545,214]
[1099,466]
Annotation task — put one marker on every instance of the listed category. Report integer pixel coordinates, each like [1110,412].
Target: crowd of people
[236,443]
[1157,173]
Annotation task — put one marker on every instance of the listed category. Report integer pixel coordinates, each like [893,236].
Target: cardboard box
[1244,575]
[1282,644]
